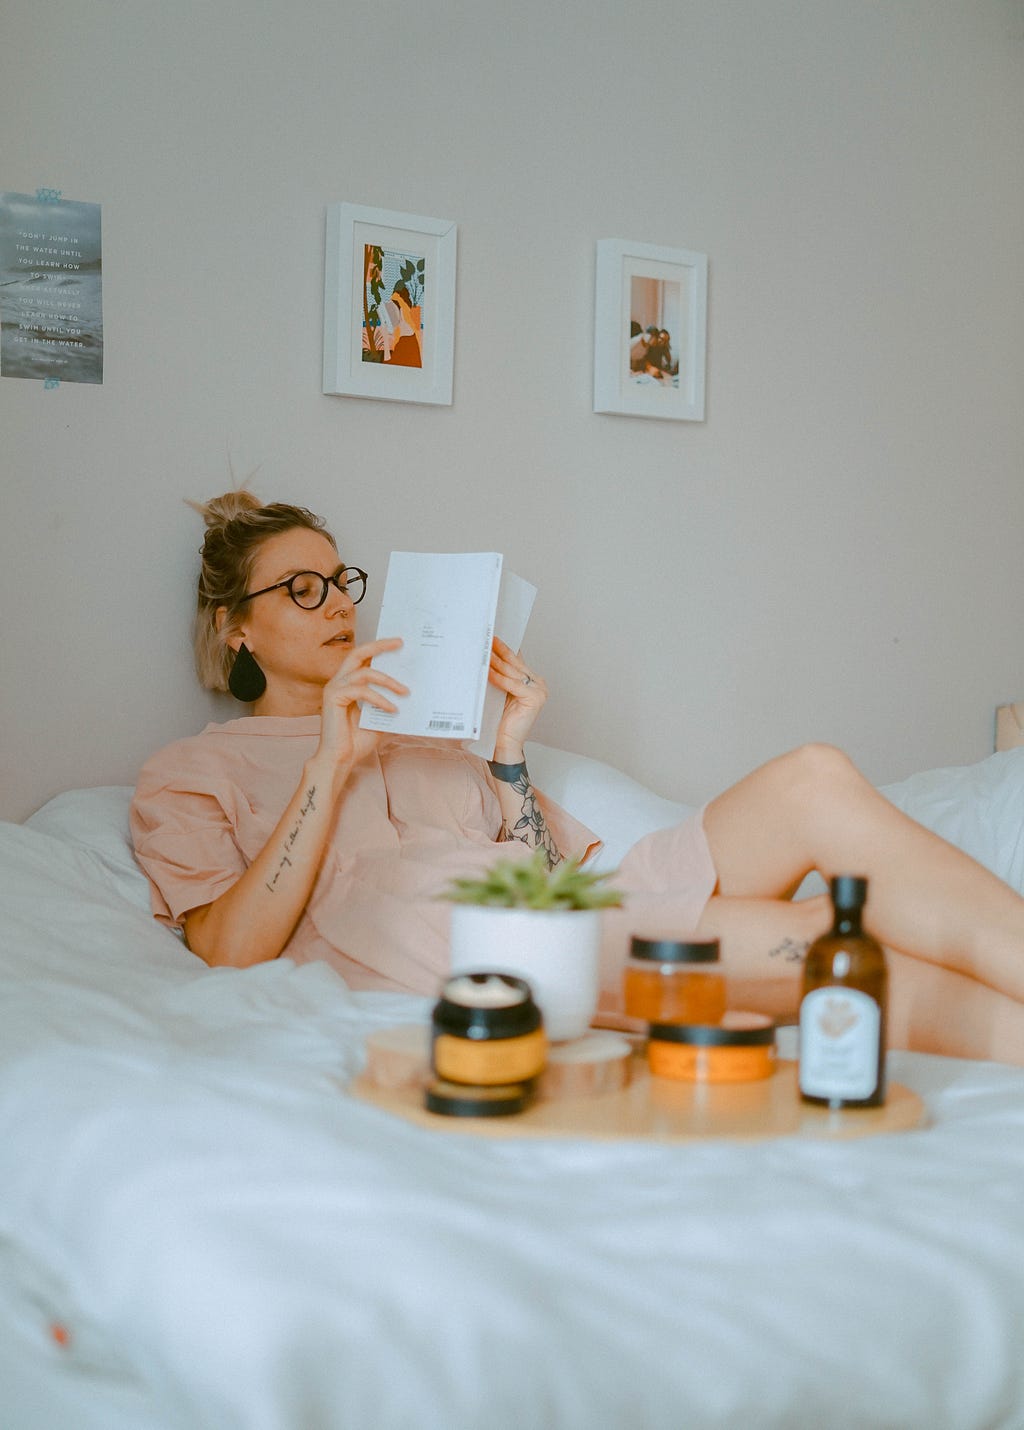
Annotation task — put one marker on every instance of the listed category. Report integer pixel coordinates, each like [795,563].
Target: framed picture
[389,305]
[650,330]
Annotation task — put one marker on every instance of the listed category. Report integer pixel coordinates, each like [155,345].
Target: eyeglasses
[308,589]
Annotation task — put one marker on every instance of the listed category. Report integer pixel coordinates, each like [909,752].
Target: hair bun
[218,511]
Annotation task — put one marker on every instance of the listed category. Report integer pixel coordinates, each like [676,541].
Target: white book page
[515,602]
[443,607]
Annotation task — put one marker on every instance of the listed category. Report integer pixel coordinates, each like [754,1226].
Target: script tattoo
[292,836]
[531,827]
[790,950]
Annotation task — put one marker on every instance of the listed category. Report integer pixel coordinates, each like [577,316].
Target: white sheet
[185,1186]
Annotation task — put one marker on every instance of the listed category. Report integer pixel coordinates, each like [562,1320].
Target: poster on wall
[51,289]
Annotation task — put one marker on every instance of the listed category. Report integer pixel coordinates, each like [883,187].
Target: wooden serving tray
[662,1109]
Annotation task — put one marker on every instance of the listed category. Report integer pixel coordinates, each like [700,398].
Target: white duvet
[225,1235]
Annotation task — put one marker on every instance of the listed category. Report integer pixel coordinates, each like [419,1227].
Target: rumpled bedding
[193,1208]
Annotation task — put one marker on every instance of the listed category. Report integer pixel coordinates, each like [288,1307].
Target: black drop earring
[246,681]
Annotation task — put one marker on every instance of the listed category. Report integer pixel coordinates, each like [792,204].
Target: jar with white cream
[486,1033]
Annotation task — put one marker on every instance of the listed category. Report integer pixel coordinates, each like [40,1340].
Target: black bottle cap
[849,891]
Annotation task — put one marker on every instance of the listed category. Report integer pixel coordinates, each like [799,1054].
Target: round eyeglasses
[308,589]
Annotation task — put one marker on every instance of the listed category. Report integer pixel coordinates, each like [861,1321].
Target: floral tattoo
[531,827]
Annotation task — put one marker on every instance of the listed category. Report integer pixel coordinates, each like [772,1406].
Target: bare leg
[931,1009]
[763,946]
[811,809]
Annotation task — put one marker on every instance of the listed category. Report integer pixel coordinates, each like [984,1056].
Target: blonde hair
[237,525]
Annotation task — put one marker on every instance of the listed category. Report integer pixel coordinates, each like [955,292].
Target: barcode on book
[446,725]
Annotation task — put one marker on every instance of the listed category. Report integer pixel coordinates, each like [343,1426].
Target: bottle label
[839,1034]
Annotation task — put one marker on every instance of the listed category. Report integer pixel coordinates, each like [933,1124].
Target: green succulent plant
[530,884]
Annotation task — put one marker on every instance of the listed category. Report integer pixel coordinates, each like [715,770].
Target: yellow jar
[487,1031]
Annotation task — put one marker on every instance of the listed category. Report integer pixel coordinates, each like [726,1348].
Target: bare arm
[253,920]
[525,693]
[522,817]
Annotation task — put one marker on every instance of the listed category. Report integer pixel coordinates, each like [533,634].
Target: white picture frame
[644,286]
[364,325]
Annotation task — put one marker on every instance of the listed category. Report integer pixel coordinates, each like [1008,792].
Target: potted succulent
[542,925]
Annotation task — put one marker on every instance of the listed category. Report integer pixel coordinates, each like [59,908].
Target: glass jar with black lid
[487,1047]
[670,980]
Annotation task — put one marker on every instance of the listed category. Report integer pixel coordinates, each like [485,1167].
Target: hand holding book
[447,609]
[525,694]
[357,683]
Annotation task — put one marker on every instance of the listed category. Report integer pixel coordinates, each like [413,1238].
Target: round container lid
[737,1030]
[482,1003]
[452,1099]
[670,950]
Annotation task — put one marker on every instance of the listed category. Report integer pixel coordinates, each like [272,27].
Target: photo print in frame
[650,330]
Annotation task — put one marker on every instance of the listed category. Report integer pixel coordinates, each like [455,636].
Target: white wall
[834,553]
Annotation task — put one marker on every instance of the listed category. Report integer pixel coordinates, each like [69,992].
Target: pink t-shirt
[411,817]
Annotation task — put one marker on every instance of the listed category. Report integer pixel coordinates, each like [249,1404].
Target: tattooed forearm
[292,836]
[789,949]
[541,840]
[531,827]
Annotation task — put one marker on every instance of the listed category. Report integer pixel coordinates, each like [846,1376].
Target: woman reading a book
[294,831]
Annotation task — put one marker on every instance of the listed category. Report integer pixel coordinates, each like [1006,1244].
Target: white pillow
[612,804]
[97,821]
[979,808]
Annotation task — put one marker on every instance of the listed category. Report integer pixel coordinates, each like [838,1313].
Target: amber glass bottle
[843,1008]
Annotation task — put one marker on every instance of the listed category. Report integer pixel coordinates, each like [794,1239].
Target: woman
[294,831]
[407,340]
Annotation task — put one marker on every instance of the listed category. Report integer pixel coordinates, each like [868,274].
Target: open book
[447,608]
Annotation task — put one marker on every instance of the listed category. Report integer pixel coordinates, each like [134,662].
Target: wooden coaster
[397,1057]
[598,1063]
[590,1066]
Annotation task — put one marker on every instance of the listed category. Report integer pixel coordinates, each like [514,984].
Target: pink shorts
[667,879]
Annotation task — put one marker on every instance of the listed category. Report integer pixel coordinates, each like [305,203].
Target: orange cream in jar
[674,981]
[740,1049]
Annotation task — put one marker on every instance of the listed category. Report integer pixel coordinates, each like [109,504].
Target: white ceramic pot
[556,952]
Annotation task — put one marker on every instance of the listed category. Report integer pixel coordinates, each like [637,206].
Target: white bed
[199,1228]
